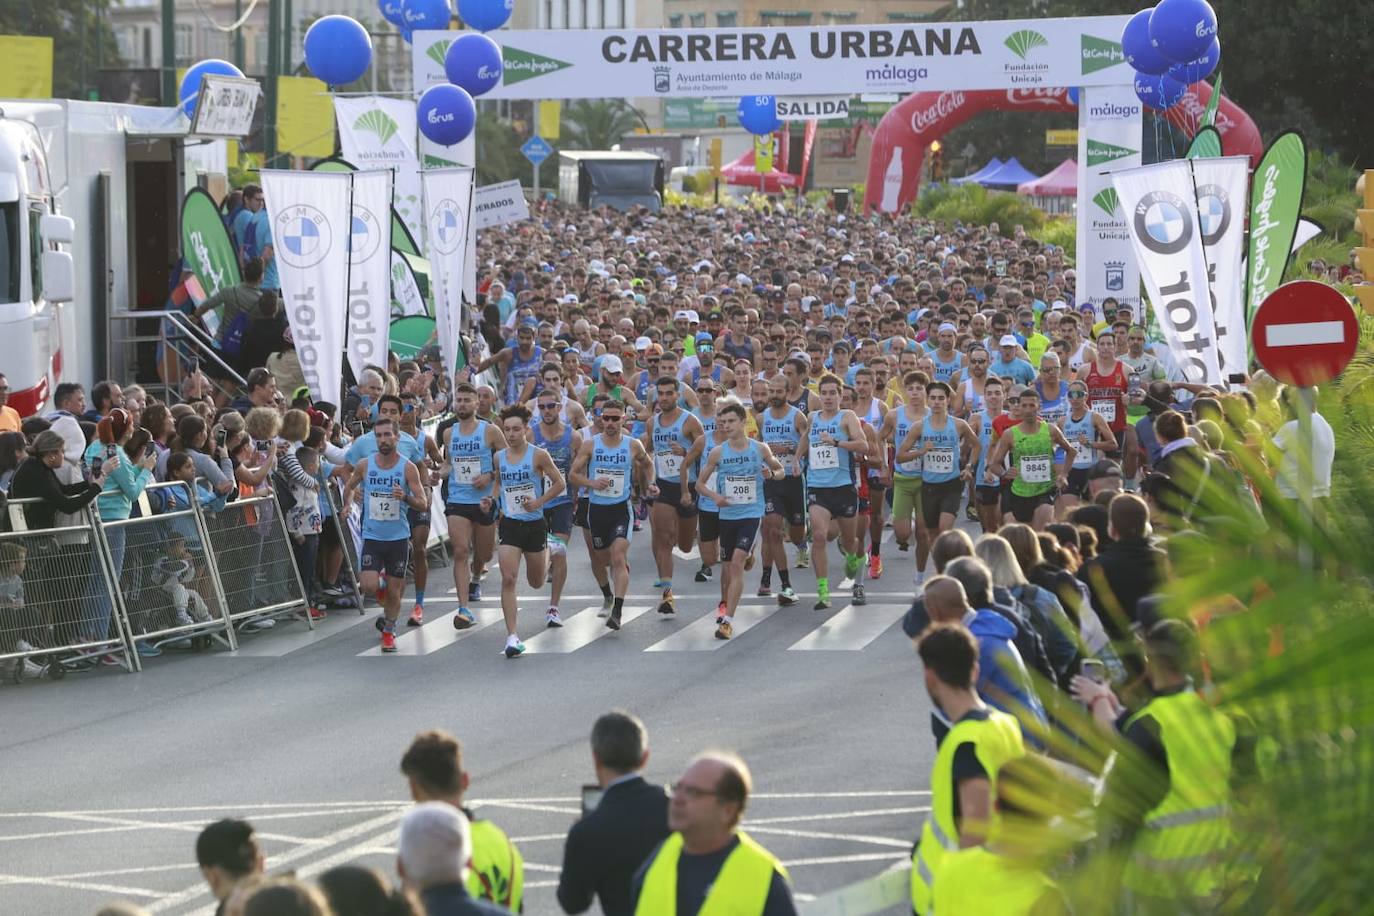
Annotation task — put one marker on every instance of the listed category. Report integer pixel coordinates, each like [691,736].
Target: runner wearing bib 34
[1091,435]
[1025,455]
[526,481]
[387,484]
[733,478]
[940,441]
[835,441]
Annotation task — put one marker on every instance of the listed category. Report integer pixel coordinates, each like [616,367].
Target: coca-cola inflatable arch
[906,131]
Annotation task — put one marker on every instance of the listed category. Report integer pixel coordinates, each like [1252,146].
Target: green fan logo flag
[1209,115]
[206,247]
[1206,145]
[1275,202]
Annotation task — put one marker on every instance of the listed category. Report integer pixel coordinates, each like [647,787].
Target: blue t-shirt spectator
[262,239]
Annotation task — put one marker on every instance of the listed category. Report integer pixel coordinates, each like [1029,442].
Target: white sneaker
[552,619]
[184,619]
[262,623]
[919,578]
[23,645]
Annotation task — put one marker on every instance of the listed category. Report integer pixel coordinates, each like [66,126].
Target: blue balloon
[391,12]
[1157,92]
[446,114]
[426,14]
[758,114]
[1135,45]
[408,36]
[1182,30]
[485,15]
[338,50]
[189,92]
[473,61]
[1197,70]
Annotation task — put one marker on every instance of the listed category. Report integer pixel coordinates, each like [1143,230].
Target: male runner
[526,481]
[940,442]
[782,428]
[989,424]
[706,416]
[948,361]
[733,478]
[834,439]
[1090,434]
[519,365]
[561,442]
[603,465]
[676,440]
[386,482]
[1107,384]
[1025,455]
[800,394]
[433,459]
[906,475]
[873,412]
[471,444]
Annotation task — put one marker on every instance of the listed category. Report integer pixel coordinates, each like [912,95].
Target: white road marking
[837,860]
[581,629]
[851,629]
[115,889]
[271,644]
[437,634]
[843,815]
[822,835]
[1304,333]
[699,635]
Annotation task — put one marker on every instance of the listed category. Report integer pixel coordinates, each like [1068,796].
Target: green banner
[1209,115]
[206,247]
[1275,202]
[1206,145]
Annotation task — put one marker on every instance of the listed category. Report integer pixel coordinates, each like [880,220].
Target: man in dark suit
[606,847]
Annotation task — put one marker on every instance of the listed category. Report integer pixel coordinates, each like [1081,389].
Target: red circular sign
[1305,333]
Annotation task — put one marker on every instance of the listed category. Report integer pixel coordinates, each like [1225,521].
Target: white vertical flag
[1109,135]
[308,212]
[376,132]
[369,277]
[1221,202]
[448,205]
[1160,206]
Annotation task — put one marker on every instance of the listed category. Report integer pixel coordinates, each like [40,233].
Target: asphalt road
[109,776]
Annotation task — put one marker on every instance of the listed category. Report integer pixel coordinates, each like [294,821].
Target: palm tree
[598,123]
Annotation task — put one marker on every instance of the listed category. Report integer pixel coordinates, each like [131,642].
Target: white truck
[106,182]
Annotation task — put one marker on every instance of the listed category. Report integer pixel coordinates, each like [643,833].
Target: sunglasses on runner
[550,406]
[611,418]
[1078,394]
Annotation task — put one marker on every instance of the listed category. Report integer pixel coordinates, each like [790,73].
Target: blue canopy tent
[993,165]
[1011,173]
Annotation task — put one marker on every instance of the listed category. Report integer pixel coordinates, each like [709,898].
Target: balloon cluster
[189,92]
[472,63]
[758,114]
[1171,47]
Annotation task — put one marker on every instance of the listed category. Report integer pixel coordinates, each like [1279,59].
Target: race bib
[742,488]
[1106,409]
[825,457]
[466,470]
[513,498]
[1035,469]
[940,461]
[667,464]
[383,508]
[617,478]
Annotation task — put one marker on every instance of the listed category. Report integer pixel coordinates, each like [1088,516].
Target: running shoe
[463,619]
[605,607]
[262,623]
[666,607]
[315,614]
[551,619]
[971,513]
[111,661]
[703,574]
[903,546]
[852,563]
[724,630]
[765,591]
[613,621]
[858,596]
[919,578]
[417,616]
[147,649]
[787,597]
[333,591]
[822,597]
[388,641]
[721,612]
[803,558]
[514,648]
[474,590]
[875,567]
[638,525]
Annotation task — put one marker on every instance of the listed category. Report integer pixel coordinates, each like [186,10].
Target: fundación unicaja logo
[521,65]
[378,123]
[1107,200]
[1100,53]
[1024,41]
[438,51]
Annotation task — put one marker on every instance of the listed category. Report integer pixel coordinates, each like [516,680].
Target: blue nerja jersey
[667,464]
[739,477]
[470,458]
[613,463]
[560,450]
[518,481]
[384,516]
[827,465]
[781,435]
[940,463]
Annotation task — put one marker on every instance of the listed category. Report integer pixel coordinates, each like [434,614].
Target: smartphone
[1235,382]
[96,464]
[591,797]
[1095,670]
[220,437]
[110,450]
[261,446]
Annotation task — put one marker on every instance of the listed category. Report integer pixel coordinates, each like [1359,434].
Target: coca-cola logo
[1193,108]
[946,104]
[1031,97]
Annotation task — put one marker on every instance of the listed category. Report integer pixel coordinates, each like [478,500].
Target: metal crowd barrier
[254,560]
[57,599]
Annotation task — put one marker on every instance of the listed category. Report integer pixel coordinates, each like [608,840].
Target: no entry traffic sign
[1305,333]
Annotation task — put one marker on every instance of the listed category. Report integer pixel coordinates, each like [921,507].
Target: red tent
[1062,181]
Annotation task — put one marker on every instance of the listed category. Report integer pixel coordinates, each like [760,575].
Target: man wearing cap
[519,365]
[1104,477]
[948,361]
[1008,364]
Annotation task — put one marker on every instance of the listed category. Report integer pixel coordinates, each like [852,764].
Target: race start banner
[310,220]
[1160,206]
[448,211]
[821,60]
[207,250]
[369,274]
[1221,185]
[1109,139]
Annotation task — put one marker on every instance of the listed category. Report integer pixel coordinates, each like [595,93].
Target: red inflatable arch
[907,130]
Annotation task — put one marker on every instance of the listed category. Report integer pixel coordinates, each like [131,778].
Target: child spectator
[303,520]
[175,574]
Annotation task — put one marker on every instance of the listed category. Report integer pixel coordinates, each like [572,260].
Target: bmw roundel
[1162,222]
[306,236]
[1213,212]
[446,226]
[365,236]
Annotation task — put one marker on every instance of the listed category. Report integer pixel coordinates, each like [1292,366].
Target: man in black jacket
[606,847]
[1127,569]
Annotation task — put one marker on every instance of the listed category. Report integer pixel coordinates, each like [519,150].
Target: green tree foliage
[597,123]
[971,203]
[81,37]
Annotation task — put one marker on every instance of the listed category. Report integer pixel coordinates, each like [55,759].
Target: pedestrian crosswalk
[844,628]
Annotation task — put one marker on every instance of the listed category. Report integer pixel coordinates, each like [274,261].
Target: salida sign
[812,107]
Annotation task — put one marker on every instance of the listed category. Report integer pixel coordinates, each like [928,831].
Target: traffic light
[937,161]
[1365,255]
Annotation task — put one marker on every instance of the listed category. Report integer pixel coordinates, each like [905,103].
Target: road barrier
[253,560]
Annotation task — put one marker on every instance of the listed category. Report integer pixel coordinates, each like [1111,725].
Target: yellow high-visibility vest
[496,872]
[996,740]
[1181,848]
[741,888]
[977,881]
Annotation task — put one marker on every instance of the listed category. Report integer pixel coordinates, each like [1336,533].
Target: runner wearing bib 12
[734,476]
[675,439]
[835,441]
[387,484]
[526,481]
[939,442]
[1090,434]
[1025,454]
